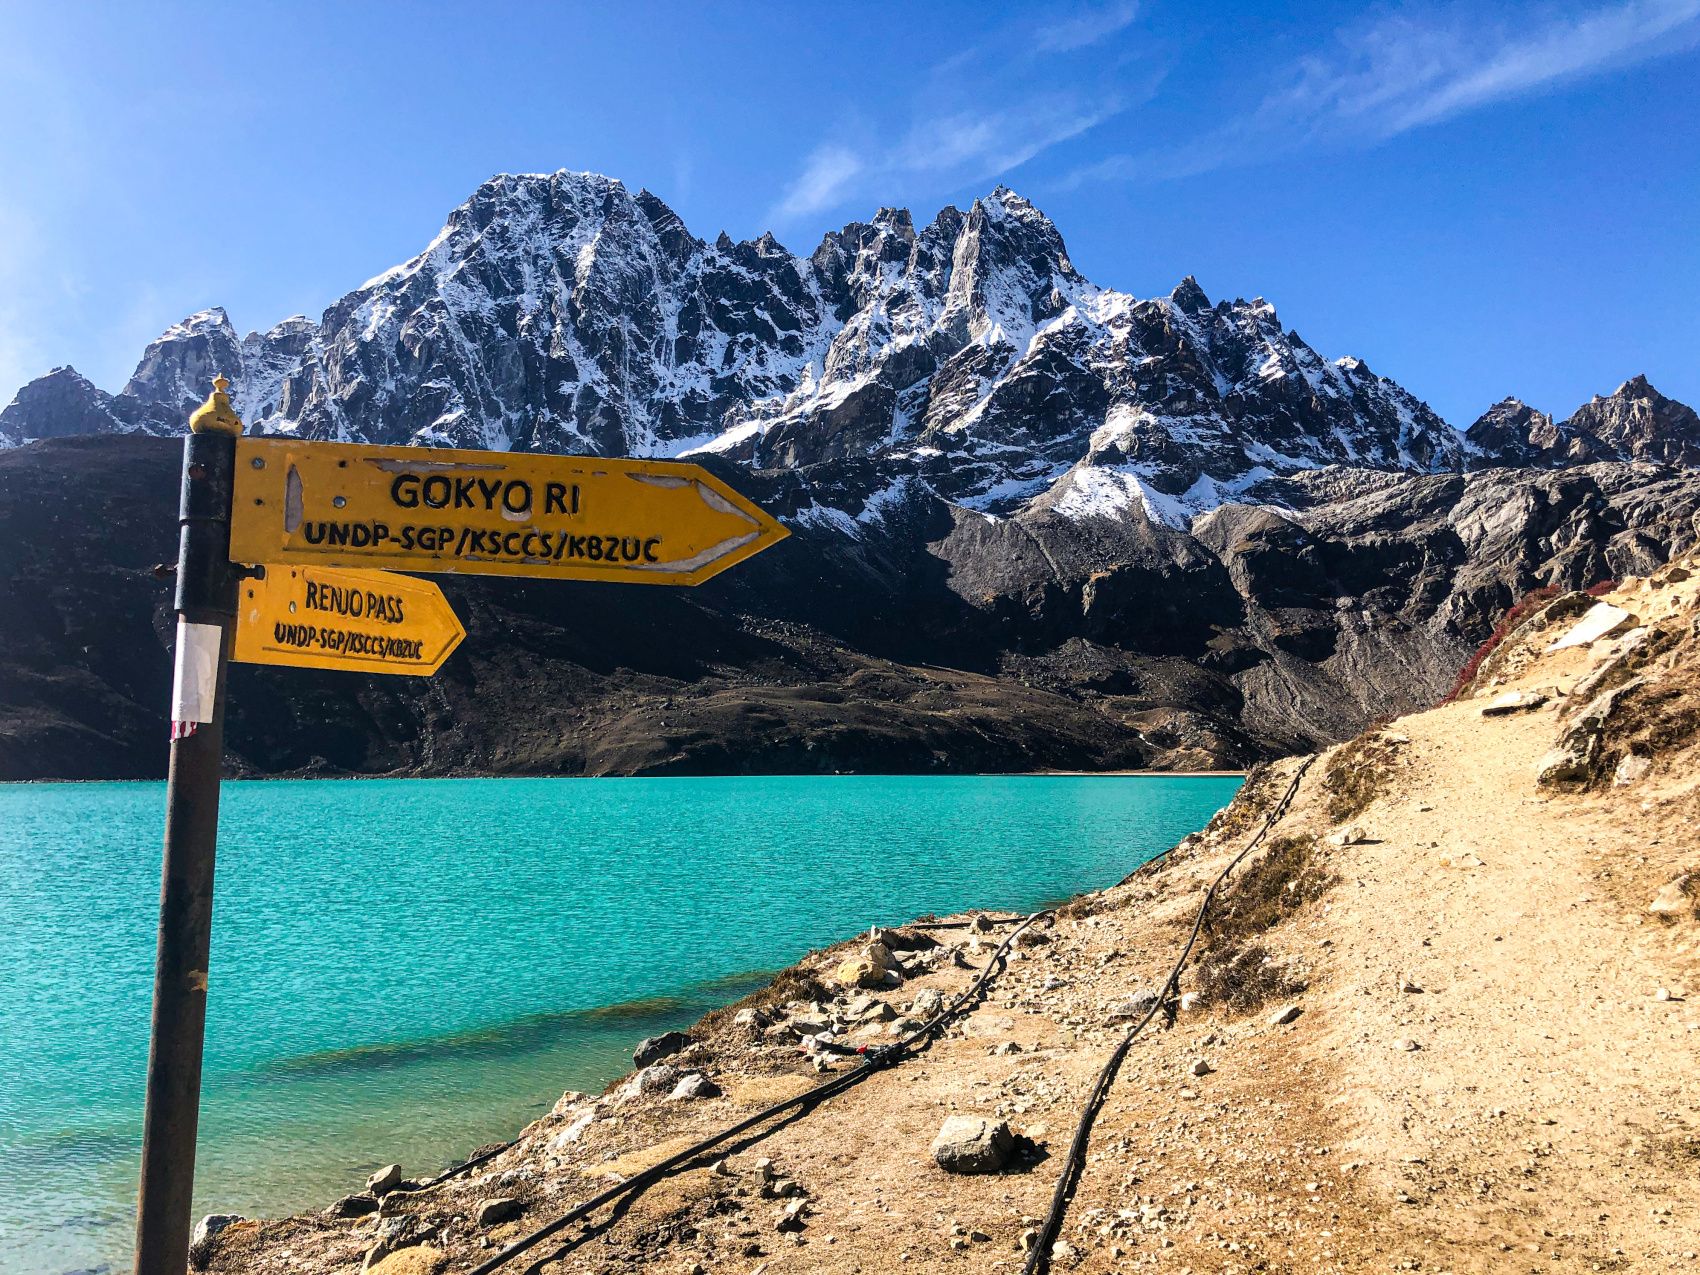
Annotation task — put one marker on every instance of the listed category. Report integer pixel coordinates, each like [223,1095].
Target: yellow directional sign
[493,513]
[363,621]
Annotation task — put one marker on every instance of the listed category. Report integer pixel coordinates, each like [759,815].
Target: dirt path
[1484,1075]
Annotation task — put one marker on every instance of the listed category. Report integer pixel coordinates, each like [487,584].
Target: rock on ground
[655,1048]
[972,1144]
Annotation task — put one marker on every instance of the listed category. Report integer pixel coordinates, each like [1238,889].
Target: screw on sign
[278,541]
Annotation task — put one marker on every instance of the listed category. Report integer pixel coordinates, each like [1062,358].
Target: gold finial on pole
[216,415]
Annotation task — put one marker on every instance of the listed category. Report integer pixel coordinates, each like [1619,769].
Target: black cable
[838,1084]
[1039,1256]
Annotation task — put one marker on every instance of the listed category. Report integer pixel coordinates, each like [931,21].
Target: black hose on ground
[1039,1256]
[838,1084]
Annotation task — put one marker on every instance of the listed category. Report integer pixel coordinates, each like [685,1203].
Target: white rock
[1285,1015]
[1632,767]
[567,1103]
[1513,702]
[656,1078]
[1674,899]
[928,1002]
[1601,620]
[694,1084]
[202,1242]
[573,1132]
[495,1211]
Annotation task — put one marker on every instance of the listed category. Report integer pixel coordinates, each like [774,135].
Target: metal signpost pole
[206,609]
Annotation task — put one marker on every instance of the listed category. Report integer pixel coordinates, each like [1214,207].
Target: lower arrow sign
[339,618]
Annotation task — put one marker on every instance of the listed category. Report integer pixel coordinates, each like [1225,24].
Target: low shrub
[1236,971]
[1280,881]
[1357,774]
[1249,805]
[1243,977]
[1507,624]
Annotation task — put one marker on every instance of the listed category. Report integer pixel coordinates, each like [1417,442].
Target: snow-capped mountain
[564,313]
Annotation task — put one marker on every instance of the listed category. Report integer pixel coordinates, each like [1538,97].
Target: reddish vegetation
[1512,619]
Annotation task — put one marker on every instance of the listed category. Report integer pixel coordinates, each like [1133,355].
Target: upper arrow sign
[492,513]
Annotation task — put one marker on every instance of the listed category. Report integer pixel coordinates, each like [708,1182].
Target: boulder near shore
[1460,1037]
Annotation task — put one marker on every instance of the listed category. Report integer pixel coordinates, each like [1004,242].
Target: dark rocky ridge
[1635,422]
[934,639]
[1041,524]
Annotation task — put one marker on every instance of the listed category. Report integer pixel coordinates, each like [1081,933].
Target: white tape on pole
[194,681]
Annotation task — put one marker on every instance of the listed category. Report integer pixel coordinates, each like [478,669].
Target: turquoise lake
[405,969]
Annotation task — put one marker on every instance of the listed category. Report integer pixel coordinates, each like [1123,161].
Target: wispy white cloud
[1406,71]
[982,112]
[968,146]
[1416,68]
[1086,26]
[825,176]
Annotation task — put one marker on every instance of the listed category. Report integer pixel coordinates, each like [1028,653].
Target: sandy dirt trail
[1492,1067]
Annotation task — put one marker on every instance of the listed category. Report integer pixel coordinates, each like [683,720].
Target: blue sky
[1478,200]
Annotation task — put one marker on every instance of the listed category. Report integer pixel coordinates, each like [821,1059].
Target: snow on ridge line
[1092,491]
[549,314]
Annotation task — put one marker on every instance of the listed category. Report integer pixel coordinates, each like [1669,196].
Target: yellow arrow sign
[493,513]
[363,621]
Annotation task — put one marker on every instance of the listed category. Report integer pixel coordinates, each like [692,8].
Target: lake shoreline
[339,1014]
[309,776]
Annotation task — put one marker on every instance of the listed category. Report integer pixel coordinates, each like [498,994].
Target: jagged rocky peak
[62,403]
[1636,422]
[178,365]
[1188,297]
[1510,432]
[1633,423]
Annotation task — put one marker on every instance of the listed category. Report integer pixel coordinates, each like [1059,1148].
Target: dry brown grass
[1280,881]
[1242,978]
[1658,720]
[1357,774]
[1236,971]
[1250,803]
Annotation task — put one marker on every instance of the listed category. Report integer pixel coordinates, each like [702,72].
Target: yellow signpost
[277,541]
[490,513]
[331,617]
